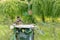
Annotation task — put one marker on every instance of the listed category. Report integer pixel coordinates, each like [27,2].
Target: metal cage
[23,32]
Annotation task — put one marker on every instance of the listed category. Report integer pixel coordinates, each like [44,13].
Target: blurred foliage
[46,8]
[41,9]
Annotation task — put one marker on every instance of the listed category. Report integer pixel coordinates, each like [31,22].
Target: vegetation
[40,8]
[45,14]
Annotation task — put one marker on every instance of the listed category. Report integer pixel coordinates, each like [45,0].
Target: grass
[51,32]
[4,32]
[46,32]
